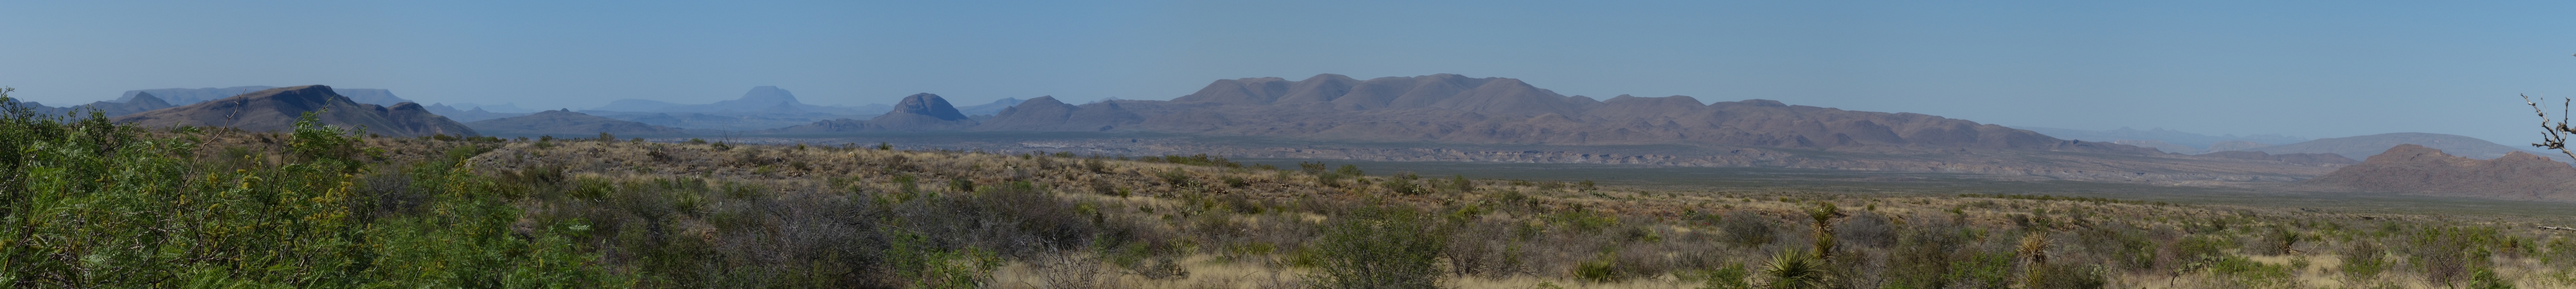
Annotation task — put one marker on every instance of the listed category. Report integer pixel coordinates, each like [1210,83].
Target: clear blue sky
[2314,69]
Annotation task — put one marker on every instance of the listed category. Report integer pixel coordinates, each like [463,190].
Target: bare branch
[2553,133]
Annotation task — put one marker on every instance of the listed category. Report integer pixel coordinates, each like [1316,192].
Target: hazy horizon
[2307,69]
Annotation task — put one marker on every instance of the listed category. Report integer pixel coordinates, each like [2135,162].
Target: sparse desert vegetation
[101,205]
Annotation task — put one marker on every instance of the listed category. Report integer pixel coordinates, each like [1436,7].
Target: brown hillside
[2416,169]
[277,110]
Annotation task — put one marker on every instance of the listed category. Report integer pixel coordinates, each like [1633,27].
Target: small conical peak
[929,104]
[148,99]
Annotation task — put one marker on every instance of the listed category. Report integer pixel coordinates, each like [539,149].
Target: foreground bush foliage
[94,204]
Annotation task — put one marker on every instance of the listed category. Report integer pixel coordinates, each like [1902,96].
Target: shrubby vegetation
[93,204]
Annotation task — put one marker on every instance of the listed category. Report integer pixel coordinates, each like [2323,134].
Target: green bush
[1378,247]
[96,204]
[2364,260]
[1402,187]
[1748,229]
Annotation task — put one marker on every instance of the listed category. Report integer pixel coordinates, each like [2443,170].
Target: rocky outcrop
[278,109]
[2416,169]
[568,123]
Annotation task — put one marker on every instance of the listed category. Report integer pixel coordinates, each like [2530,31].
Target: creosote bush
[1378,247]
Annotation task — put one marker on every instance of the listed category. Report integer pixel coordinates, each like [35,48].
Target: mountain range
[278,109]
[1459,109]
[187,96]
[1456,118]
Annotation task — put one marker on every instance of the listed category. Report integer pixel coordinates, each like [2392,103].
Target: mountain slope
[371,96]
[2416,169]
[567,123]
[277,110]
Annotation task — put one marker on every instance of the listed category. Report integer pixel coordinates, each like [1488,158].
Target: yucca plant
[1792,269]
[2033,249]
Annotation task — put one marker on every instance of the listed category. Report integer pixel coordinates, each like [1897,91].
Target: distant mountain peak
[768,94]
[928,105]
[146,98]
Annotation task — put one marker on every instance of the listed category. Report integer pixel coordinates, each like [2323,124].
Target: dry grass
[1235,227]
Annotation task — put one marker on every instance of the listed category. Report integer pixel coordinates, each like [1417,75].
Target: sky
[2304,68]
